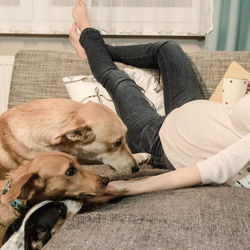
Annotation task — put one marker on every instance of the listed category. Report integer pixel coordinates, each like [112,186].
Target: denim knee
[110,79]
[169,48]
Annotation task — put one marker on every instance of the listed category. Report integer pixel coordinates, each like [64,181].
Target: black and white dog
[39,224]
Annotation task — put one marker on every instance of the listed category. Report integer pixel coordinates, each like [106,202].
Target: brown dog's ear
[84,134]
[19,177]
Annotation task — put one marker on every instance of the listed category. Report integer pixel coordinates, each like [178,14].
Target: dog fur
[39,224]
[49,176]
[90,131]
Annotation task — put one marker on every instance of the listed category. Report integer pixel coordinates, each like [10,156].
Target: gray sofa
[208,217]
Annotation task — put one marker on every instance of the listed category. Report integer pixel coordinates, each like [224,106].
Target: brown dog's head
[53,175]
[95,132]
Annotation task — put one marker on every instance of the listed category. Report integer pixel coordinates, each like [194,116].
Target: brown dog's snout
[135,169]
[105,181]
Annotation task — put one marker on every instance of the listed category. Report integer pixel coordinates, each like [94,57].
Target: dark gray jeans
[143,122]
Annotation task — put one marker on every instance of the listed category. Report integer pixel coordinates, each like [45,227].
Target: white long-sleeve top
[205,134]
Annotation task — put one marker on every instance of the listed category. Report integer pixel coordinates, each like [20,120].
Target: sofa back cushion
[38,74]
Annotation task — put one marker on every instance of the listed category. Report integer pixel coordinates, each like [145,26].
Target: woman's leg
[180,84]
[142,121]
[138,55]
[179,81]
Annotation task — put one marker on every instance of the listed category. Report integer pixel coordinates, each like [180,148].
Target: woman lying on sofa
[197,138]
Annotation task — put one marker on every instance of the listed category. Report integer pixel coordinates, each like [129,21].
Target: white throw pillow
[83,88]
[150,86]
[86,88]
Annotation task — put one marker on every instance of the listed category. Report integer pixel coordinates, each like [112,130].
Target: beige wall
[10,44]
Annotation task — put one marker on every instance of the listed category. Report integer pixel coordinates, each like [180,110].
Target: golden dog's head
[53,175]
[95,132]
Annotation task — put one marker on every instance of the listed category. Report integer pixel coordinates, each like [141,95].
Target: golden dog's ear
[84,134]
[18,178]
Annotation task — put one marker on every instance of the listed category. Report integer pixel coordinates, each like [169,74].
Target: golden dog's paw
[142,158]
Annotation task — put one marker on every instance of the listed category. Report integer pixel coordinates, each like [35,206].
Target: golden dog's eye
[71,170]
[117,143]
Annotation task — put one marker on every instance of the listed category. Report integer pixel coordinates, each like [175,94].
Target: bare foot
[80,16]
[74,40]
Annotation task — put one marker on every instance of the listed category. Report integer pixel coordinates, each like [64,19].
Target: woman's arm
[216,169]
[222,166]
[184,177]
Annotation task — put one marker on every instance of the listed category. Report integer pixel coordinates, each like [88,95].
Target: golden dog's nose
[105,181]
[135,169]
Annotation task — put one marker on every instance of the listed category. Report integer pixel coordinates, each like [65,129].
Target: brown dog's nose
[105,181]
[135,169]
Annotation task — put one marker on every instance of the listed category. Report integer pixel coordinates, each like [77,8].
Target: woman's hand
[119,188]
[114,189]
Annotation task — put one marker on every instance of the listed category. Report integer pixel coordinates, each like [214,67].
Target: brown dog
[51,175]
[89,131]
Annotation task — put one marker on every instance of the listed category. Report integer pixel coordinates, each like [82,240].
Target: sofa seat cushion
[194,218]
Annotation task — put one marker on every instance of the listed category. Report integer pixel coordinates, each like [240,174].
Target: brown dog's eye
[117,143]
[71,170]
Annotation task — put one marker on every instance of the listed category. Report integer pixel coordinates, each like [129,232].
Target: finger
[80,2]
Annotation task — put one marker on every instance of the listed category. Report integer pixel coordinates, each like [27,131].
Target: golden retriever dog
[90,131]
[49,176]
